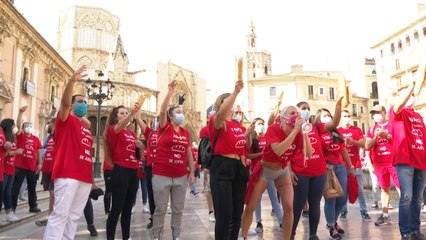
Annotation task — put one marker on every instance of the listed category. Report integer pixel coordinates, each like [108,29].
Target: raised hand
[181,99]
[79,74]
[23,109]
[172,85]
[239,85]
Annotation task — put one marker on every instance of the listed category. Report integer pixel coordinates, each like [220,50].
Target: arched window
[374,90]
[392,48]
[266,70]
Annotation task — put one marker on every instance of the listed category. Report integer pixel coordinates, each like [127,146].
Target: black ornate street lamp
[100,91]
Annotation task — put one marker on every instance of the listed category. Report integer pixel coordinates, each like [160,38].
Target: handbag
[209,153]
[333,189]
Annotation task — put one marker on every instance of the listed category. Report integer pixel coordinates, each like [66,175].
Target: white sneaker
[424,208]
[145,209]
[251,232]
[133,210]
[11,217]
[211,217]
[169,210]
[390,206]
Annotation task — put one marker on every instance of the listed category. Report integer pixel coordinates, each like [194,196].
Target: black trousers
[228,182]
[148,174]
[20,174]
[124,186]
[88,212]
[107,194]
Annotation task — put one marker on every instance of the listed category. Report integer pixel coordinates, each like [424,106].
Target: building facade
[192,87]
[397,59]
[32,73]
[91,36]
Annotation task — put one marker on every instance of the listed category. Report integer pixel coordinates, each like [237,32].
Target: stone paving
[197,227]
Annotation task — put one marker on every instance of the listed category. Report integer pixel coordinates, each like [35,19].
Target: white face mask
[47,127]
[411,101]
[237,118]
[259,129]
[346,121]
[306,114]
[326,119]
[28,130]
[378,118]
[15,130]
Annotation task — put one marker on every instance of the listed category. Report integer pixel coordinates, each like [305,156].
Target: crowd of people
[291,158]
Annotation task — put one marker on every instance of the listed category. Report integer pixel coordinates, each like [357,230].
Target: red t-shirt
[9,162]
[2,153]
[171,159]
[353,151]
[195,157]
[261,147]
[49,156]
[332,151]
[28,159]
[382,149]
[73,150]
[122,147]
[106,165]
[151,145]
[316,164]
[204,132]
[231,141]
[408,133]
[275,134]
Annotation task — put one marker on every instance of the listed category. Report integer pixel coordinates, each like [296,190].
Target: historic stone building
[192,87]
[32,73]
[91,36]
[398,56]
[319,88]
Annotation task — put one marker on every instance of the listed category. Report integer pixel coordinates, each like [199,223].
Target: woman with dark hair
[255,154]
[10,129]
[335,153]
[170,169]
[309,176]
[120,146]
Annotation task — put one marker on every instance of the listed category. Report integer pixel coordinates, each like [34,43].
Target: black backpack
[204,150]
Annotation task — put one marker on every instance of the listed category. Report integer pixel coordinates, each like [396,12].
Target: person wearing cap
[379,141]
[408,138]
[354,141]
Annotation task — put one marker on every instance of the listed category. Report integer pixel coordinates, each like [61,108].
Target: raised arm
[19,120]
[140,122]
[274,113]
[125,121]
[68,92]
[399,105]
[281,147]
[225,109]
[336,118]
[165,104]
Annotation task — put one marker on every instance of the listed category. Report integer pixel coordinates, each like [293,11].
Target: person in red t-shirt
[193,187]
[335,154]
[283,141]
[121,143]
[254,153]
[72,171]
[9,128]
[174,157]
[150,153]
[27,164]
[354,141]
[379,141]
[409,137]
[309,176]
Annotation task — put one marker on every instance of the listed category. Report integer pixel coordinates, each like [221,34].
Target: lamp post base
[97,169]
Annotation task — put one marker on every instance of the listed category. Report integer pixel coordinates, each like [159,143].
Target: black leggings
[107,196]
[228,181]
[148,172]
[20,174]
[124,186]
[311,189]
[88,212]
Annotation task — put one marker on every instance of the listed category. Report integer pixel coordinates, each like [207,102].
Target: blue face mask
[179,118]
[306,114]
[80,109]
[237,118]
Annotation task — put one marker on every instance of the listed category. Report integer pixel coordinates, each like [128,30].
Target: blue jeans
[334,206]
[7,191]
[412,183]
[311,189]
[144,190]
[361,194]
[276,207]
